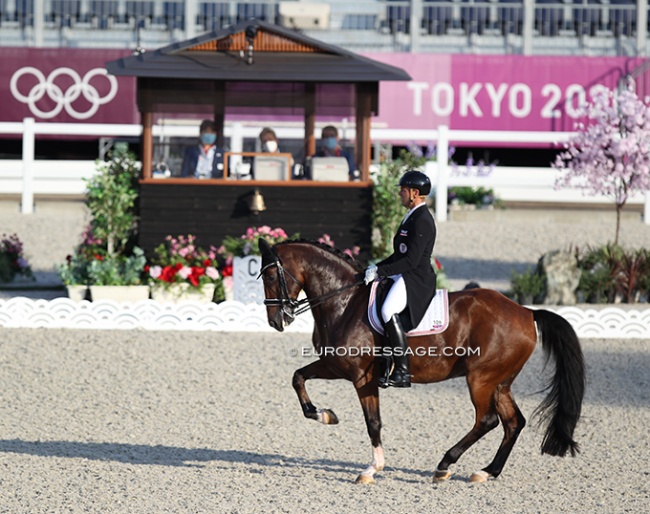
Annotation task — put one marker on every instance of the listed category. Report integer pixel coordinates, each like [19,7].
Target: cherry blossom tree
[610,155]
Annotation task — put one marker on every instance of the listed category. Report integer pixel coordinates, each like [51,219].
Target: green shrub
[527,286]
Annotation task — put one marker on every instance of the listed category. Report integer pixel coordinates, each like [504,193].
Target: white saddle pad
[435,320]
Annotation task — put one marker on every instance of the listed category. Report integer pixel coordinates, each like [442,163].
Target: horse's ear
[265,248]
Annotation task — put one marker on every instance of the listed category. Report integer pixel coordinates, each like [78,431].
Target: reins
[298,307]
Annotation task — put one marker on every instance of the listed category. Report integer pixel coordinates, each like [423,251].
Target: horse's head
[281,286]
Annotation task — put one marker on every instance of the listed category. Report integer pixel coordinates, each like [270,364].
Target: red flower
[168,273]
[146,268]
[99,257]
[227,271]
[207,263]
[195,275]
[178,266]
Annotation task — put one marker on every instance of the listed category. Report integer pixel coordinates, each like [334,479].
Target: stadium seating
[561,26]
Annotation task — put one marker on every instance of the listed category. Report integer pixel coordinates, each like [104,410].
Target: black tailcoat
[412,250]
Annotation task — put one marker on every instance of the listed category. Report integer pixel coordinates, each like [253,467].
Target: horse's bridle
[292,307]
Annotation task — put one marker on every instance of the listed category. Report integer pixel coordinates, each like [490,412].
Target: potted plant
[74,275]
[527,286]
[12,259]
[118,277]
[183,271]
[111,197]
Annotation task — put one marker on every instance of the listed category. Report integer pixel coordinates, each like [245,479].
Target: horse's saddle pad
[435,320]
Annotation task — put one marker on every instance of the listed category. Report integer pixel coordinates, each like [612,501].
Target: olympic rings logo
[63,100]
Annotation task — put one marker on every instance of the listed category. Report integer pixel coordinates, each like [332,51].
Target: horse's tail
[561,408]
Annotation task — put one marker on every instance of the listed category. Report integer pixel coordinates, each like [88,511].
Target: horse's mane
[330,249]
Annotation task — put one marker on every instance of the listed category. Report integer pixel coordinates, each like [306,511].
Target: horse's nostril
[276,325]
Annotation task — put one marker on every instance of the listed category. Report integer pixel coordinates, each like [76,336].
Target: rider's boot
[401,373]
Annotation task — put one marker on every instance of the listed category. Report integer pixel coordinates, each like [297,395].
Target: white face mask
[271,146]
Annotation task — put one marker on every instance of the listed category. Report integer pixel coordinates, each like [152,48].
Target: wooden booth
[250,68]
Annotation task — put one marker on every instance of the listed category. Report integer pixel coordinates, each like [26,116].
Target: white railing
[28,177]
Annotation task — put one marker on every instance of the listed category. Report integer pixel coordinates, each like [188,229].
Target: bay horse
[491,336]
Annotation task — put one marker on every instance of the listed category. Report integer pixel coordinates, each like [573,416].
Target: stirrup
[404,382]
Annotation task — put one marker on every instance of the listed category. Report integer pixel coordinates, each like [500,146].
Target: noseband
[293,307]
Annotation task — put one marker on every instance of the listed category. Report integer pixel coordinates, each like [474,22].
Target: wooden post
[220,112]
[147,144]
[310,119]
[362,143]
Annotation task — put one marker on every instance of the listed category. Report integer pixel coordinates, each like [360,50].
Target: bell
[256,202]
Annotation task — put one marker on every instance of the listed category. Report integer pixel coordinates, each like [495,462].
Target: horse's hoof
[327,417]
[480,476]
[441,475]
[364,479]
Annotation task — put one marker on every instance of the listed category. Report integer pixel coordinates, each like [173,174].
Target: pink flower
[185,272]
[155,271]
[212,272]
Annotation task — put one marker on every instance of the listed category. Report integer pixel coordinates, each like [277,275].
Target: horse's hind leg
[317,369]
[486,419]
[513,423]
[368,393]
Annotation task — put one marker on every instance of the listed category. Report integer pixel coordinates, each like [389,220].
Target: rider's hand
[371,274]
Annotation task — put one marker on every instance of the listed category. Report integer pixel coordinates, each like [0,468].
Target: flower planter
[77,293]
[119,293]
[177,293]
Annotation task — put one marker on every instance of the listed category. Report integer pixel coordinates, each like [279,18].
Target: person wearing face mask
[332,148]
[269,141]
[204,160]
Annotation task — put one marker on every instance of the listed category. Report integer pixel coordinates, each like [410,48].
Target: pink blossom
[185,272]
[155,271]
[609,154]
[212,272]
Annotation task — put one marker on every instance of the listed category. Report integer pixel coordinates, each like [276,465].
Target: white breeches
[395,299]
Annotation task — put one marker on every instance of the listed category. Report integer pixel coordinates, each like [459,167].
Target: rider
[410,268]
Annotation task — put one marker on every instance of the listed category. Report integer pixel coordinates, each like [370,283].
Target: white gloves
[371,274]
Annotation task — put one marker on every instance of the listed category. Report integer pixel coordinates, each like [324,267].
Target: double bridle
[293,307]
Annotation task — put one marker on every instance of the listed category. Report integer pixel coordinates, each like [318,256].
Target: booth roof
[278,55]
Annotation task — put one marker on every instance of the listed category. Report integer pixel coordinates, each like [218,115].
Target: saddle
[435,320]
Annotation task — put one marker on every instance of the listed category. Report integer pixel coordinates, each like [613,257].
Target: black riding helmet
[414,179]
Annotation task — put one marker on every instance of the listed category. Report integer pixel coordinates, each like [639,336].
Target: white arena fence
[232,316]
[28,177]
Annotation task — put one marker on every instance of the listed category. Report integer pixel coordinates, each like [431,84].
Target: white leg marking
[480,476]
[377,463]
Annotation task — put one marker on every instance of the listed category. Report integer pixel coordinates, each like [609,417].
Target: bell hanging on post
[256,202]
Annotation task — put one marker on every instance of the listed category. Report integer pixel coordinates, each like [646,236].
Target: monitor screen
[271,167]
[325,169]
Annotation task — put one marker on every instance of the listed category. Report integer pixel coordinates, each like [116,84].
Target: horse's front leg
[368,393]
[317,369]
